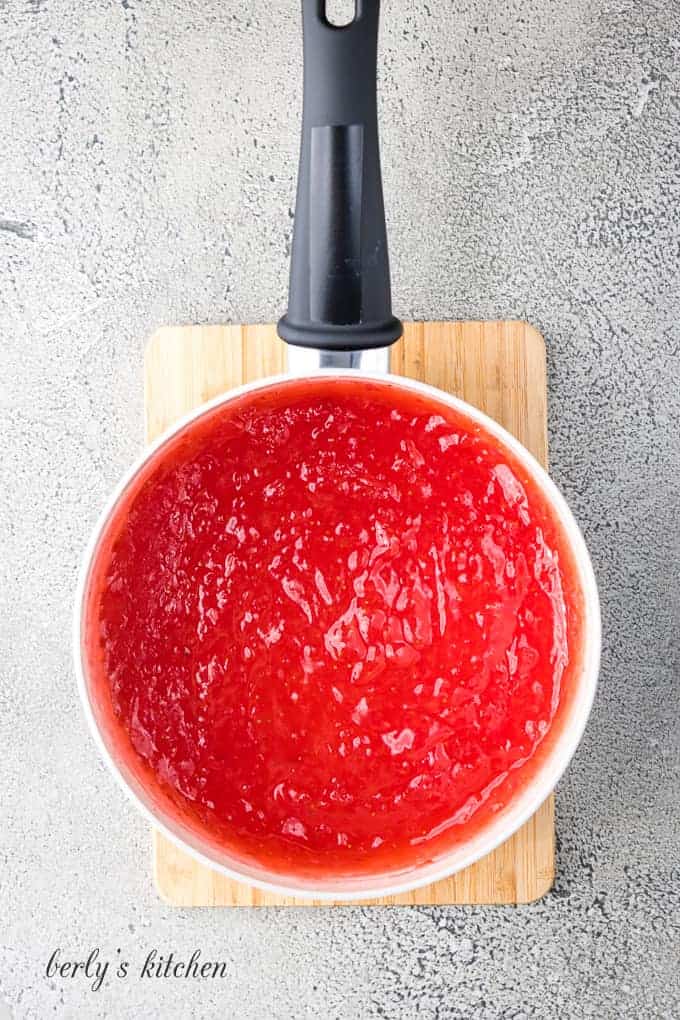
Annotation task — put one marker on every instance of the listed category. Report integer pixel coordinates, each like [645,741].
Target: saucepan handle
[339,297]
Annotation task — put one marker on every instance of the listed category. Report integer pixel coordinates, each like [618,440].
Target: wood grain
[497,366]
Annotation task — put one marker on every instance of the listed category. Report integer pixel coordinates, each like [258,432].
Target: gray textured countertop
[532,170]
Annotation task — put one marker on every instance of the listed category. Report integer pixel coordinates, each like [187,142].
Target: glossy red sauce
[332,625]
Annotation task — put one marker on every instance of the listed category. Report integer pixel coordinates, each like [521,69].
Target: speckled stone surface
[532,169]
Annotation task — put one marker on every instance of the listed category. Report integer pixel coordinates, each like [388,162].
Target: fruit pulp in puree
[333,624]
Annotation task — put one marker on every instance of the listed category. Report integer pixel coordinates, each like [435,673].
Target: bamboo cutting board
[497,366]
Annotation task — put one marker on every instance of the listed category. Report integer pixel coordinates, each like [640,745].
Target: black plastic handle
[339,297]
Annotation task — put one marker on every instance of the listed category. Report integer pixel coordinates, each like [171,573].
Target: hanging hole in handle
[340,13]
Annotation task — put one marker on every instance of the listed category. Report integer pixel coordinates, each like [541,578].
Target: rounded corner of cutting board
[159,338]
[534,339]
[171,886]
[543,885]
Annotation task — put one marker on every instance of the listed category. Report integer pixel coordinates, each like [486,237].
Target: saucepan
[339,325]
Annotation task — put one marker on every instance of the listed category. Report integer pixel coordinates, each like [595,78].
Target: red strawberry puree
[331,626]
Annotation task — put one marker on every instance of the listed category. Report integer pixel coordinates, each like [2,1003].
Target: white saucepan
[339,322]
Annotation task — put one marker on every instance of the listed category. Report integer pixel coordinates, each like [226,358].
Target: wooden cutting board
[497,366]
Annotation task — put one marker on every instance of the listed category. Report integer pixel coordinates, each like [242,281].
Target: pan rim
[521,807]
